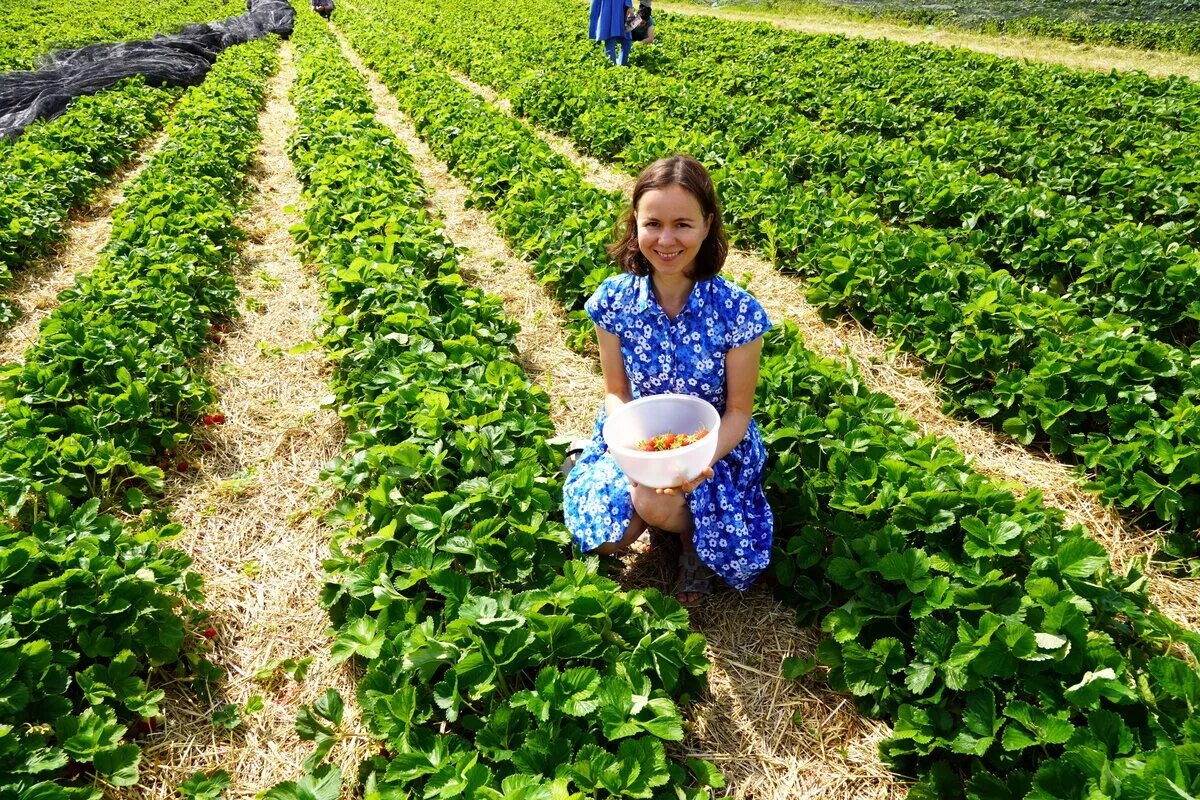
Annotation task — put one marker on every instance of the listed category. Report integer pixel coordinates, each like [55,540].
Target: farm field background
[34,27]
[376,238]
[1150,24]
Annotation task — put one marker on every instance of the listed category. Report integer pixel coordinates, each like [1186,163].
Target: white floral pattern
[684,355]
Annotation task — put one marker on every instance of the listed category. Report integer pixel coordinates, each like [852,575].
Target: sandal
[694,578]
[574,451]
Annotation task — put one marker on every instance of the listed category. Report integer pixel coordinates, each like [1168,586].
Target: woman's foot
[574,451]
[695,580]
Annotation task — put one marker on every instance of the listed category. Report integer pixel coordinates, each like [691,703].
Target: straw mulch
[35,288]
[250,504]
[1096,57]
[747,722]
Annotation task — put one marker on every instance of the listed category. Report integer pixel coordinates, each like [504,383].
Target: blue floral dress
[684,355]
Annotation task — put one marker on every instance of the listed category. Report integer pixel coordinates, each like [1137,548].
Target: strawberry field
[1025,236]
[31,29]
[1152,24]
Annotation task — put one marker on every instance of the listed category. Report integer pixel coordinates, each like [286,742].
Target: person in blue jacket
[608,26]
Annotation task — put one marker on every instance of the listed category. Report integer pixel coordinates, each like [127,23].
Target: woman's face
[671,226]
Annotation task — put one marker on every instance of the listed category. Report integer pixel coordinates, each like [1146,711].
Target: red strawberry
[206,447]
[183,466]
[210,632]
[149,724]
[216,419]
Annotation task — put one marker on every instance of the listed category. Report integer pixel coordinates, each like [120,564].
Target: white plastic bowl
[651,416]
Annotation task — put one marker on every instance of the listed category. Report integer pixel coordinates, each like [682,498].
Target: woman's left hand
[688,486]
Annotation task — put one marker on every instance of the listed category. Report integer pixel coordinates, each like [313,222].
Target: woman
[608,25]
[672,324]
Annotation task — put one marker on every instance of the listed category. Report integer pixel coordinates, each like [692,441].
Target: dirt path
[746,724]
[35,289]
[249,504]
[1050,51]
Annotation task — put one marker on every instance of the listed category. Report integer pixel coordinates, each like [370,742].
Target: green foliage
[1146,24]
[205,787]
[34,27]
[88,604]
[1009,657]
[56,165]
[494,665]
[1030,232]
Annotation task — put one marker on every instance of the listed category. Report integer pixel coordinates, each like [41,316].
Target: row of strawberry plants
[1038,367]
[1102,257]
[495,666]
[114,378]
[88,604]
[55,165]
[1141,25]
[1010,658]
[1134,160]
[1122,140]
[27,30]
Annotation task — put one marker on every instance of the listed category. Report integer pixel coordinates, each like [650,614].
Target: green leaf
[794,668]
[206,787]
[330,706]
[119,765]
[325,783]
[707,773]
[358,638]
[1081,557]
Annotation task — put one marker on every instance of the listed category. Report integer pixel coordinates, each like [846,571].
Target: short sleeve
[748,320]
[599,307]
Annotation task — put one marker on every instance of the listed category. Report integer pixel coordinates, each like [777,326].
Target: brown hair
[678,170]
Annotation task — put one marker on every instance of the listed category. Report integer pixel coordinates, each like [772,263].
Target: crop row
[1120,139]
[55,165]
[1040,368]
[1104,256]
[495,665]
[27,30]
[89,604]
[1010,659]
[1158,25]
[1123,140]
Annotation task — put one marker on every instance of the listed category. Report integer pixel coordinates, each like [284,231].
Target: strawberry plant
[31,29]
[88,605]
[113,379]
[1034,365]
[1010,659]
[56,165]
[491,659]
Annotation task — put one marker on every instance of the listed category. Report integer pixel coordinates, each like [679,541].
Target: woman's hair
[689,173]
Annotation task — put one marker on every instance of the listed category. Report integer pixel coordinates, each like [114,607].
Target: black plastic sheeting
[177,59]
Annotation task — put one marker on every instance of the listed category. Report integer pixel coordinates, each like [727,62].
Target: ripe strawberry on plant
[149,724]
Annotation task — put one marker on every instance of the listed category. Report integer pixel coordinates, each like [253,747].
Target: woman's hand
[688,486]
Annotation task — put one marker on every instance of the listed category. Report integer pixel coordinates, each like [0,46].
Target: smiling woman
[672,324]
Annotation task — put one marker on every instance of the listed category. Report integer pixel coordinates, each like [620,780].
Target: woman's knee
[658,510]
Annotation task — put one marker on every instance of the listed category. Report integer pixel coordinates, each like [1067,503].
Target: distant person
[640,23]
[608,26]
[323,7]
